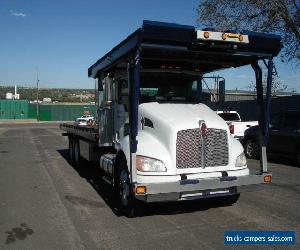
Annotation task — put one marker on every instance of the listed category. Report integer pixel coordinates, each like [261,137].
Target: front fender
[150,146]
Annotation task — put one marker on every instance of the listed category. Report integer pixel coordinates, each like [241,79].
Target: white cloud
[18,14]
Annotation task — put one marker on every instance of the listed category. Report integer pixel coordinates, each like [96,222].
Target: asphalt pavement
[45,203]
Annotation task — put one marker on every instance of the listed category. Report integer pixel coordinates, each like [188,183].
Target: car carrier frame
[157,47]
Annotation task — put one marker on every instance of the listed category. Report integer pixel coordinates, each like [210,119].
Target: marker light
[268,178]
[203,129]
[206,34]
[140,190]
[231,35]
[231,128]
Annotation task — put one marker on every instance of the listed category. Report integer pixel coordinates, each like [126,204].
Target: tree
[281,17]
[277,85]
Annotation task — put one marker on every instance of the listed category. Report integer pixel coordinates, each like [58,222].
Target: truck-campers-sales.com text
[249,239]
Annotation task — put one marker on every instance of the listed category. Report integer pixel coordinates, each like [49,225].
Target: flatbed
[89,133]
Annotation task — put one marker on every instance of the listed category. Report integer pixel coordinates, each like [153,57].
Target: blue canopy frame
[158,44]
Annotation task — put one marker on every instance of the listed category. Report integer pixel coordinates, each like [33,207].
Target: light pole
[37,97]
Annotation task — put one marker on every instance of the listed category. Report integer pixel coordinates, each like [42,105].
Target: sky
[61,39]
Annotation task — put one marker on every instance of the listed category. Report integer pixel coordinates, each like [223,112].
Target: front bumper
[197,188]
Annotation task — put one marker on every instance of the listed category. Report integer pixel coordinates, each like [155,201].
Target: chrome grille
[189,148]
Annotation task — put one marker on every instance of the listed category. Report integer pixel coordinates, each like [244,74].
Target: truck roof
[174,46]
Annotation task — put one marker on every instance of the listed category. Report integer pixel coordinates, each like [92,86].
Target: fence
[249,109]
[13,109]
[21,109]
[52,112]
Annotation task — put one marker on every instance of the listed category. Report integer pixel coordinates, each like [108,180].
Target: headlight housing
[241,160]
[147,164]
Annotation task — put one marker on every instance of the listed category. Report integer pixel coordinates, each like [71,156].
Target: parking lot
[45,203]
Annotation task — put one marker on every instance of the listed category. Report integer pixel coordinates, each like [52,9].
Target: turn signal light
[206,34]
[140,190]
[268,178]
[231,129]
[224,36]
[241,38]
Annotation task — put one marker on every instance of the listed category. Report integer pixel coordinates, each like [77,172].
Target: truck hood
[181,116]
[158,138]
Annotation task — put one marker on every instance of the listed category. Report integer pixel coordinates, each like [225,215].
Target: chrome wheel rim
[251,149]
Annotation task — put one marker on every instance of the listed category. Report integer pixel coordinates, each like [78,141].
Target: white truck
[154,139]
[84,120]
[236,126]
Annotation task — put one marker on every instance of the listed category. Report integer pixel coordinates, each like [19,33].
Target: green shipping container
[13,109]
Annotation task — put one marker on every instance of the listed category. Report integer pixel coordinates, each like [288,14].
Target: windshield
[229,116]
[174,88]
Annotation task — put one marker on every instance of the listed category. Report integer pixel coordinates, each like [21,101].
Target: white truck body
[233,119]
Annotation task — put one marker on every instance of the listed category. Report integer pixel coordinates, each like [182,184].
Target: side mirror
[108,93]
[126,129]
[100,86]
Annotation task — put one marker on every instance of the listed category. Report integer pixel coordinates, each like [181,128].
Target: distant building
[47,99]
[9,96]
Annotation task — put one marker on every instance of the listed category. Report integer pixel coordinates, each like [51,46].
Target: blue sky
[63,38]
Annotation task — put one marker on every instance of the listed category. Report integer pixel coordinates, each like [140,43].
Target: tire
[298,157]
[76,153]
[126,202]
[71,150]
[230,200]
[251,149]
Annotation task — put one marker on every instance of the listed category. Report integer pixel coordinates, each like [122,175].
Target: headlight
[241,160]
[146,164]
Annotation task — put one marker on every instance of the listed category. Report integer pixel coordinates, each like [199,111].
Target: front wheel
[126,201]
[251,149]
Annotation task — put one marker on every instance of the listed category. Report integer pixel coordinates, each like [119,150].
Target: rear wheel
[76,153]
[71,150]
[298,157]
[251,149]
